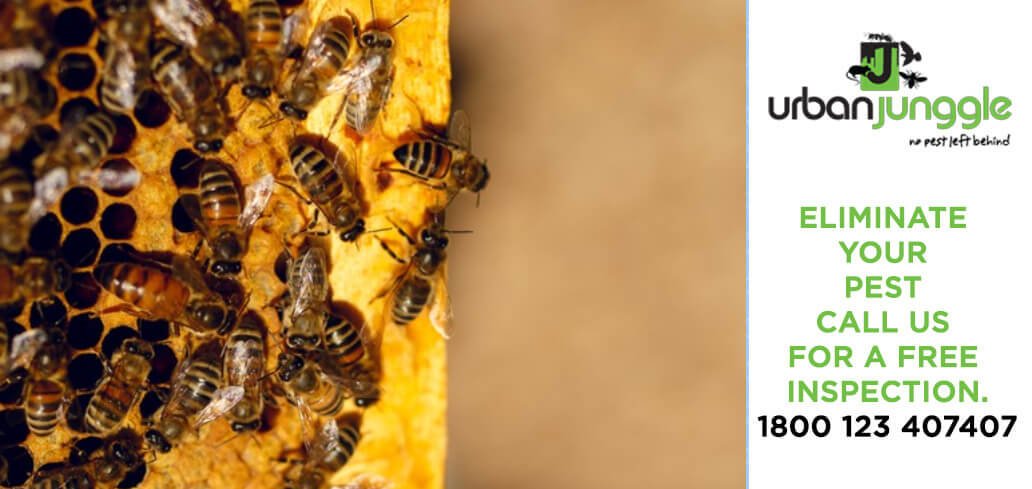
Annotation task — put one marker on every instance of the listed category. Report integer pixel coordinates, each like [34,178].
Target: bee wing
[110,179]
[182,19]
[294,28]
[306,292]
[367,481]
[25,345]
[187,270]
[308,432]
[328,439]
[20,58]
[221,402]
[441,310]
[356,76]
[257,197]
[907,50]
[46,190]
[459,130]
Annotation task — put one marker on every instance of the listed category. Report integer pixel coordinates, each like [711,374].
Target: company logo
[880,60]
[887,65]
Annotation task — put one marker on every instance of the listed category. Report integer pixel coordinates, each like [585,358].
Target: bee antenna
[372,10]
[478,200]
[396,22]
[271,121]
[459,231]
[247,104]
[227,440]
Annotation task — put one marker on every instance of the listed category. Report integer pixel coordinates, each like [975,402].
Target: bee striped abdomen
[149,289]
[412,296]
[347,441]
[203,380]
[327,399]
[317,174]
[220,201]
[91,139]
[264,25]
[183,82]
[425,158]
[344,343]
[109,406]
[14,87]
[15,193]
[43,407]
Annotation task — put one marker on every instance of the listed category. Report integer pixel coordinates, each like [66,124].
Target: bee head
[256,91]
[287,366]
[377,40]
[353,232]
[138,347]
[472,174]
[240,426]
[210,316]
[157,441]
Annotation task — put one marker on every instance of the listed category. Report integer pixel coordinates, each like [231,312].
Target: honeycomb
[403,435]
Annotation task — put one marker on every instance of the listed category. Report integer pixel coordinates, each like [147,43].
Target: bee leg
[128,309]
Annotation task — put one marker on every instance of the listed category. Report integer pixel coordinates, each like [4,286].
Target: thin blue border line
[747,244]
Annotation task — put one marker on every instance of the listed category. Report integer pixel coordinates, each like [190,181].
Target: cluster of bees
[193,52]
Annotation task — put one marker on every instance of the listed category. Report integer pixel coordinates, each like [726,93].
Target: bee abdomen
[93,136]
[347,440]
[14,87]
[264,24]
[204,379]
[424,158]
[220,201]
[15,192]
[108,407]
[328,399]
[411,298]
[43,407]
[149,289]
[317,175]
[344,343]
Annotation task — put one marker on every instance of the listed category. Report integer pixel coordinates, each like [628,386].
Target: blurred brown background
[600,324]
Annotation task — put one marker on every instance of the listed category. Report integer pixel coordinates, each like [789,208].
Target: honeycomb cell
[46,98]
[134,477]
[73,27]
[83,292]
[13,429]
[84,330]
[80,248]
[163,364]
[118,221]
[76,71]
[19,465]
[12,394]
[185,168]
[115,338]
[81,450]
[101,49]
[48,312]
[290,3]
[85,372]
[12,310]
[280,267]
[152,401]
[79,205]
[46,234]
[75,415]
[118,252]
[125,173]
[124,135]
[75,110]
[153,331]
[151,110]
[181,220]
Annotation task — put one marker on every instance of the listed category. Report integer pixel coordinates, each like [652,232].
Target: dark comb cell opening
[12,394]
[115,338]
[119,252]
[46,234]
[151,110]
[83,448]
[75,110]
[13,429]
[84,331]
[101,49]
[118,221]
[12,310]
[48,312]
[186,168]
[19,465]
[180,219]
[163,364]
[84,291]
[85,372]
[269,414]
[80,248]
[76,71]
[154,331]
[134,477]
[46,98]
[79,205]
[124,175]
[73,27]
[152,402]
[76,414]
[290,3]
[124,135]
[281,266]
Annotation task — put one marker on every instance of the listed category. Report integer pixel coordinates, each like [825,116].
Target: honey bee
[309,388]
[191,94]
[46,398]
[264,48]
[24,347]
[244,363]
[417,285]
[322,61]
[64,476]
[331,449]
[218,210]
[15,200]
[307,291]
[119,391]
[36,278]
[446,163]
[197,391]
[192,24]
[175,292]
[367,79]
[332,190]
[127,59]
[122,453]
[342,338]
